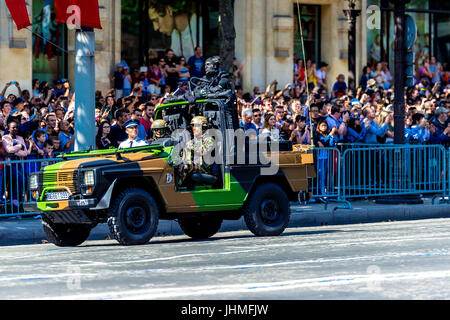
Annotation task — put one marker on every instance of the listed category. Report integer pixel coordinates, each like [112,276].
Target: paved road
[391,260]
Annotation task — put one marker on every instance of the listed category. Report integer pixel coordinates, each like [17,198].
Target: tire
[133,217]
[266,213]
[201,227]
[65,235]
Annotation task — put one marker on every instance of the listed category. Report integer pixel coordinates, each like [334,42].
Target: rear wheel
[133,217]
[200,227]
[266,213]
[65,235]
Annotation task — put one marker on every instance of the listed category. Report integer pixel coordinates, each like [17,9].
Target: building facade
[267,37]
[46,50]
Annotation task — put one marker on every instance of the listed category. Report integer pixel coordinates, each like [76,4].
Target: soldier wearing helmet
[161,133]
[197,148]
[159,129]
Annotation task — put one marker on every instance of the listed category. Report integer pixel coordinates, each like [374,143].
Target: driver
[160,132]
[159,129]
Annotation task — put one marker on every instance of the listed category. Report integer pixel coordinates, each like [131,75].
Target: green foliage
[130,16]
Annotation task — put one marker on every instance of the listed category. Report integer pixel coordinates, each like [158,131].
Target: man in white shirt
[131,128]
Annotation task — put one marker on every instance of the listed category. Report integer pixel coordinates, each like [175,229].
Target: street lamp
[351,13]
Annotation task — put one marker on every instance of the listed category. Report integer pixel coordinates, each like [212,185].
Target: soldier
[196,149]
[160,134]
[159,129]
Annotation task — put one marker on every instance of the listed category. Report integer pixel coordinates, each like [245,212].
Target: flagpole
[84,89]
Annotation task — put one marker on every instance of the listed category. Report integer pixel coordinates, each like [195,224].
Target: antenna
[306,74]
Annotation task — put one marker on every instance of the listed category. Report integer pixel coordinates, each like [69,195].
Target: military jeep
[132,189]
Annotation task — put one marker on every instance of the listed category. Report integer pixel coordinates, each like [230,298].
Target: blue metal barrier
[14,191]
[355,172]
[390,170]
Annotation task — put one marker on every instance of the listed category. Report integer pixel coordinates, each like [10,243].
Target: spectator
[48,150]
[365,77]
[312,74]
[56,142]
[339,87]
[196,63]
[299,72]
[127,82]
[356,133]
[334,120]
[15,148]
[136,116]
[237,72]
[436,70]
[378,75]
[322,76]
[118,79]
[388,76]
[103,137]
[440,133]
[246,122]
[118,132]
[425,74]
[270,129]
[147,118]
[257,119]
[35,88]
[155,74]
[183,71]
[373,130]
[171,70]
[301,133]
[67,139]
[37,143]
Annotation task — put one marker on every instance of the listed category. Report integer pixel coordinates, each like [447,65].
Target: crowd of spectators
[336,114]
[311,109]
[40,124]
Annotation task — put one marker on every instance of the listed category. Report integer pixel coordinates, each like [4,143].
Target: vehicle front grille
[68,179]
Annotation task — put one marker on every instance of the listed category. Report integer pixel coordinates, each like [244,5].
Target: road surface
[390,260]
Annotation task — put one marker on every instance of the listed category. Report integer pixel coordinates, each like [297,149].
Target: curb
[29,231]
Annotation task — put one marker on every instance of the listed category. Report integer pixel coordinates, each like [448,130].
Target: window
[49,62]
[310,18]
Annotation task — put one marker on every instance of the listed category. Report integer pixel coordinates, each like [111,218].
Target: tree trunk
[227,34]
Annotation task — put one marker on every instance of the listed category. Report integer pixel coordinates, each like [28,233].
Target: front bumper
[65,205]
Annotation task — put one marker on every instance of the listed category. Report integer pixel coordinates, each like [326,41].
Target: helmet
[212,65]
[199,120]
[159,124]
[159,128]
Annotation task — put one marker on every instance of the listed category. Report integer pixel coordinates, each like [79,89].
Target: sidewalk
[29,230]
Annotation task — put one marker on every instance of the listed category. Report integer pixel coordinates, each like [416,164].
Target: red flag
[84,13]
[19,13]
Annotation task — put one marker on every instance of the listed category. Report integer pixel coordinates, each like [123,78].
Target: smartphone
[13,83]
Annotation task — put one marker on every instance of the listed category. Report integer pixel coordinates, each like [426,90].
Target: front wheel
[133,217]
[65,235]
[201,227]
[266,213]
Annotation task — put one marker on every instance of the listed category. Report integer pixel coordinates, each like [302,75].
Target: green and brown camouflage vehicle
[132,189]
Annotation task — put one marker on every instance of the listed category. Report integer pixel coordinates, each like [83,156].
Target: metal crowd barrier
[344,173]
[14,192]
[370,171]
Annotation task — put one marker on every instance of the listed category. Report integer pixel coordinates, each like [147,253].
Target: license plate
[51,196]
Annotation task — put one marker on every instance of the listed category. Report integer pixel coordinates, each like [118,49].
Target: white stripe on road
[190,292]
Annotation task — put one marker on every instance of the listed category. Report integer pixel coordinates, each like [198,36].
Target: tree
[227,34]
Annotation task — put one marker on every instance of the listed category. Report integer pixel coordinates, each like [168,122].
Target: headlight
[89,178]
[34,184]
